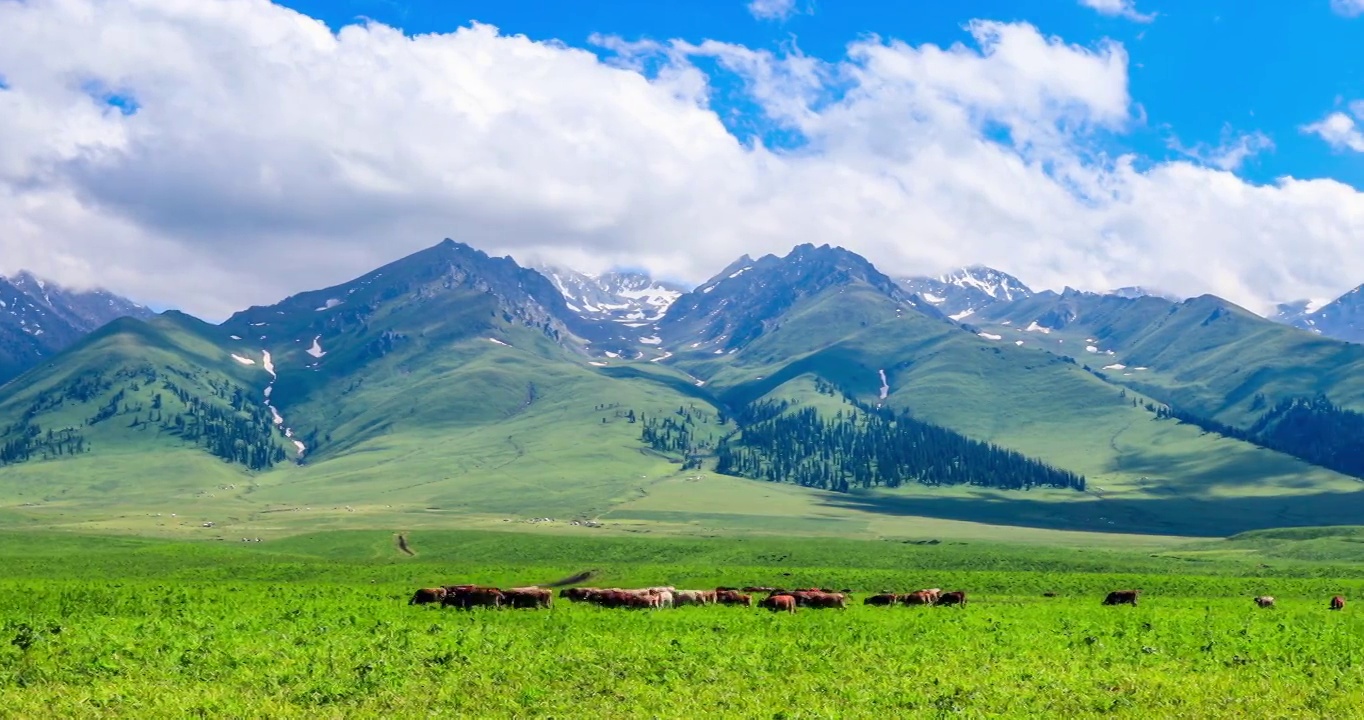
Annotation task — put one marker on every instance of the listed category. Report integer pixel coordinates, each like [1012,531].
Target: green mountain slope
[1204,355]
[453,385]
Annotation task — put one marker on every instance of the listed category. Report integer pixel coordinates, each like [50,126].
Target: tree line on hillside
[1312,429]
[860,446]
[866,447]
[225,421]
[28,441]
[687,433]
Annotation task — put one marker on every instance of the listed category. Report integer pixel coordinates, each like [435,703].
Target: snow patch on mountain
[617,296]
[316,350]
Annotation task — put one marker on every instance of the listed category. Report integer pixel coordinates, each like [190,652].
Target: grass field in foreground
[318,626]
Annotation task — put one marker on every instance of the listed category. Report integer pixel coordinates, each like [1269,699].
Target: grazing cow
[465,597]
[577,594]
[882,599]
[918,597]
[957,597]
[819,599]
[1122,597]
[694,597]
[730,597]
[528,597]
[779,603]
[1337,603]
[427,595]
[1048,594]
[1265,601]
[934,593]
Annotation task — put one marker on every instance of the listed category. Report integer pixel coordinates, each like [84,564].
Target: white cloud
[1339,129]
[270,155]
[1231,153]
[772,9]
[1128,9]
[1348,8]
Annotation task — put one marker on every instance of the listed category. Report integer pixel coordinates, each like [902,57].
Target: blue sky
[1199,69]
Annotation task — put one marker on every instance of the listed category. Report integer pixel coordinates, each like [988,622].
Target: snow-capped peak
[965,291]
[618,296]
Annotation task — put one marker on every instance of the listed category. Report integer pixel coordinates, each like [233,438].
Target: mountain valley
[454,384]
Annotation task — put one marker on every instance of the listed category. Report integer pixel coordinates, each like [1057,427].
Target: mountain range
[39,318]
[452,381]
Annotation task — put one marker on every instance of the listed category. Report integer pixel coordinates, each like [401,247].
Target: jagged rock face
[967,291]
[39,319]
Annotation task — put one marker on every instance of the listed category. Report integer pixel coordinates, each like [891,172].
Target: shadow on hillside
[1196,518]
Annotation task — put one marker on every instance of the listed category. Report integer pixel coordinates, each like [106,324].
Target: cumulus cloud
[216,155]
[1340,130]
[1128,9]
[1348,8]
[772,9]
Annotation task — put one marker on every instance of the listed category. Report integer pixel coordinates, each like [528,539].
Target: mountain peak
[749,297]
[631,298]
[39,318]
[1342,318]
[968,290]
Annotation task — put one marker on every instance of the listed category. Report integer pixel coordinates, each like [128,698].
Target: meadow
[319,626]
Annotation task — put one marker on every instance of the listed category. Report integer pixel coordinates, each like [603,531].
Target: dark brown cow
[577,594]
[779,603]
[1337,603]
[882,599]
[957,597]
[532,598]
[467,597]
[427,595]
[918,597]
[1122,597]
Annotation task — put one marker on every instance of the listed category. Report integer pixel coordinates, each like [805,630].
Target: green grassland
[318,625]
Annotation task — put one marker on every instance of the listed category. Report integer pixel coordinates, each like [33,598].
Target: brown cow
[882,599]
[730,597]
[466,597]
[577,594]
[528,597]
[779,603]
[1122,597]
[1265,601]
[1337,603]
[918,597]
[427,595]
[957,597]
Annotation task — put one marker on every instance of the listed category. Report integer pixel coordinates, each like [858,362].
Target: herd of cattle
[777,599]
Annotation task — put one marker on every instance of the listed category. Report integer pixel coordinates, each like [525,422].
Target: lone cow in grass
[1122,597]
[1265,601]
[1337,603]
